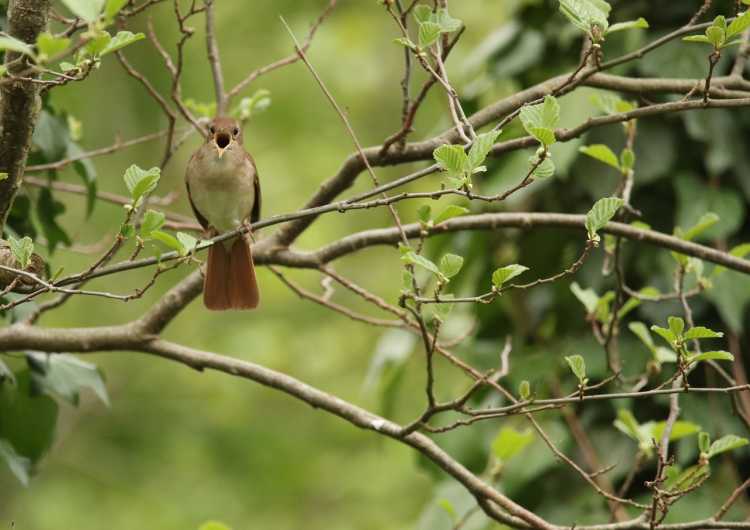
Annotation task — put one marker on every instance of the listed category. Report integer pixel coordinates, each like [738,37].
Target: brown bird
[224,191]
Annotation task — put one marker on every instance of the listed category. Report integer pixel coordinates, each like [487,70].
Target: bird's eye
[235,131]
[212,130]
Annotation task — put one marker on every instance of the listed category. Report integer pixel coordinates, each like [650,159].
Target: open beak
[222,142]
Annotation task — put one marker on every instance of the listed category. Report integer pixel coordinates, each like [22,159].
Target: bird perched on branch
[224,191]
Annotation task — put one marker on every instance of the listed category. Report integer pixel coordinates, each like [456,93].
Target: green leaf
[97,43]
[711,356]
[206,110]
[640,23]
[587,14]
[602,153]
[726,443]
[641,331]
[578,367]
[697,38]
[680,429]
[587,297]
[685,480]
[700,332]
[601,213]
[19,465]
[706,221]
[85,169]
[738,25]
[65,375]
[442,310]
[627,159]
[424,214]
[49,46]
[704,442]
[509,442]
[628,425]
[403,41]
[88,10]
[542,170]
[524,390]
[48,210]
[428,33]
[481,147]
[250,106]
[740,251]
[141,182]
[665,334]
[448,23]
[448,508]
[422,13]
[119,41]
[450,265]
[451,158]
[507,273]
[152,220]
[113,7]
[450,212]
[169,240]
[716,36]
[676,326]
[6,374]
[409,256]
[15,45]
[187,241]
[540,120]
[610,103]
[22,250]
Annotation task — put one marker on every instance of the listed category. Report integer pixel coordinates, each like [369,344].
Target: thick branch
[19,104]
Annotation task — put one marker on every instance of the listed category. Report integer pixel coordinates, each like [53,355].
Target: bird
[224,192]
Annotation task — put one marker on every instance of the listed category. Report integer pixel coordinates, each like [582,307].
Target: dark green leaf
[65,375]
[19,465]
[48,210]
[601,213]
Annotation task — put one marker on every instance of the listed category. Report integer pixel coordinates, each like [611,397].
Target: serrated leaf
[187,241]
[588,297]
[577,366]
[610,103]
[141,182]
[65,375]
[450,212]
[543,169]
[48,45]
[22,250]
[601,153]
[152,220]
[119,41]
[448,23]
[700,332]
[481,147]
[726,443]
[450,265]
[711,356]
[601,213]
[428,33]
[640,23]
[540,120]
[509,442]
[88,10]
[587,14]
[739,24]
[451,158]
[19,465]
[507,273]
[11,44]
[716,36]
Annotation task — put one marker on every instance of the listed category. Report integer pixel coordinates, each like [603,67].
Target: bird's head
[224,134]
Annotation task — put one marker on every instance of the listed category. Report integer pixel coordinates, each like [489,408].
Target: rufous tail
[230,277]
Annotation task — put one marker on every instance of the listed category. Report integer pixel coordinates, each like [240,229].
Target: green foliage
[251,106]
[65,376]
[22,250]
[88,10]
[14,45]
[450,265]
[459,164]
[602,153]
[578,367]
[600,214]
[450,212]
[152,220]
[541,120]
[510,442]
[719,35]
[524,390]
[49,45]
[504,274]
[19,465]
[141,182]
[726,443]
[644,434]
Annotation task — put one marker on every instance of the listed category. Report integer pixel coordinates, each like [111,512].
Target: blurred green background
[178,447]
